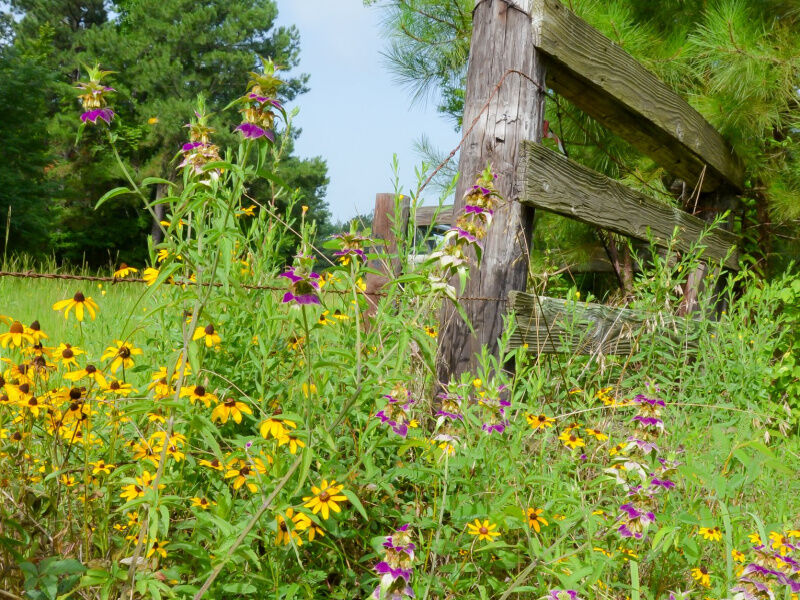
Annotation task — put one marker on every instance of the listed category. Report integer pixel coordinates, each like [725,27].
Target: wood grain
[603,80]
[434,215]
[553,182]
[556,326]
[501,40]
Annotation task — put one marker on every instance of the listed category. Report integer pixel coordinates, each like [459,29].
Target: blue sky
[356,116]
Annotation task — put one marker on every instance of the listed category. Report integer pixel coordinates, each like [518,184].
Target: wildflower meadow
[220,424]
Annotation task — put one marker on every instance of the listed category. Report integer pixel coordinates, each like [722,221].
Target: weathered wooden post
[383,221]
[502,39]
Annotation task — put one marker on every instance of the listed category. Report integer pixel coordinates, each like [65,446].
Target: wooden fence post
[383,221]
[502,39]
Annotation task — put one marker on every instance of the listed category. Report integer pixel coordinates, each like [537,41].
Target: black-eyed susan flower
[89,372]
[711,533]
[780,542]
[68,480]
[285,535]
[202,503]
[65,354]
[80,303]
[157,547]
[198,393]
[598,435]
[35,329]
[101,466]
[755,539]
[294,442]
[16,336]
[737,556]
[430,331]
[150,275]
[118,388]
[276,428]
[122,354]
[571,440]
[123,271]
[326,498]
[539,421]
[245,472]
[230,408]
[702,576]
[483,531]
[214,463]
[535,519]
[208,335]
[131,492]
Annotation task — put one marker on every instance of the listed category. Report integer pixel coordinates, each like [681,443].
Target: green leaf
[239,588]
[117,191]
[356,503]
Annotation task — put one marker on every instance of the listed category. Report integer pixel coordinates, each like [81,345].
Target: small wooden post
[502,39]
[383,222]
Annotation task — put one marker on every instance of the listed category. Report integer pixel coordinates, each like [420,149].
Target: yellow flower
[88,372]
[535,520]
[431,331]
[119,388]
[737,556]
[540,421]
[203,503]
[570,440]
[152,120]
[285,535]
[15,336]
[712,533]
[294,443]
[121,353]
[198,393]
[616,449]
[325,498]
[484,531]
[248,211]
[308,389]
[242,471]
[79,302]
[208,334]
[68,480]
[214,463]
[123,271]
[36,331]
[101,467]
[599,435]
[150,275]
[66,354]
[702,576]
[477,383]
[157,547]
[275,428]
[755,539]
[780,542]
[131,492]
[230,408]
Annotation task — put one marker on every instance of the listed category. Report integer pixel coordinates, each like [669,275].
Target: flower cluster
[93,97]
[644,475]
[199,151]
[467,233]
[395,413]
[259,102]
[771,566]
[350,245]
[396,567]
[494,401]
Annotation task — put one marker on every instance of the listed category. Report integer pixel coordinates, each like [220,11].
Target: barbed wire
[246,286]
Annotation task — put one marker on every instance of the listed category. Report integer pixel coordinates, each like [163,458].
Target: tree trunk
[160,211]
[502,39]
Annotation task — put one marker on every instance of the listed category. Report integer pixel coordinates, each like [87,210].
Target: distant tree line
[163,54]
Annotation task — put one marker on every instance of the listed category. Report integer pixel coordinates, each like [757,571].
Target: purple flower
[644,446]
[406,592]
[464,234]
[649,421]
[481,189]
[563,595]
[630,511]
[477,210]
[384,568]
[303,289]
[91,116]
[492,427]
[450,415]
[626,532]
[662,483]
[642,399]
[253,131]
[189,146]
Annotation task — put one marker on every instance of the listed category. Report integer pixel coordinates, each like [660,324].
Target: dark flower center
[16,327]
[67,353]
[25,388]
[2,381]
[5,398]
[124,352]
[39,361]
[483,530]
[114,385]
[75,393]
[214,463]
[244,471]
[74,407]
[23,368]
[572,438]
[90,369]
[200,391]
[35,326]
[209,330]
[17,436]
[324,497]
[230,402]
[79,297]
[283,526]
[33,401]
